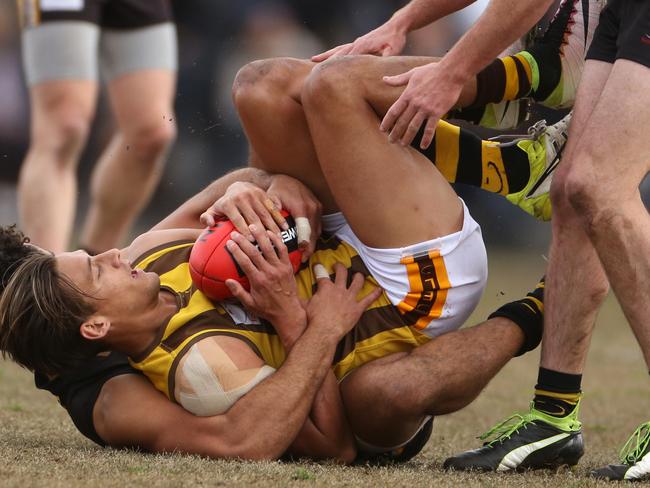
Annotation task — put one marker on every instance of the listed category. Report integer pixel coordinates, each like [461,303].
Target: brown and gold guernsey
[381,330]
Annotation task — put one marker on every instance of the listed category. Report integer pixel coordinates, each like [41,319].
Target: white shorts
[438,282]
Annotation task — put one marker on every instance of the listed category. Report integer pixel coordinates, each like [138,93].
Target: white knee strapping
[208,396]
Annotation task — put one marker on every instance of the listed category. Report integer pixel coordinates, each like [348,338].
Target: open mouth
[134,273]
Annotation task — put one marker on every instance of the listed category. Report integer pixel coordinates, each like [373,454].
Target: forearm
[261,425]
[326,432]
[187,215]
[419,13]
[502,23]
[277,409]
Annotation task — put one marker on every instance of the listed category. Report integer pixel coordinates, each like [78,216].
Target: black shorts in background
[111,14]
[623,32]
[78,390]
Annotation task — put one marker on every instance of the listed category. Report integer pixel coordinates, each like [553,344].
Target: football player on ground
[422,269]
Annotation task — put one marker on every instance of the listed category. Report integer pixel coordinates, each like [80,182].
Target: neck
[135,337]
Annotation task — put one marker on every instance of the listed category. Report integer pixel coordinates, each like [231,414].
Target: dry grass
[39,445]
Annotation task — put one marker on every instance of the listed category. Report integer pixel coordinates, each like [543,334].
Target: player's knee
[583,191]
[329,84]
[150,141]
[63,135]
[558,194]
[261,81]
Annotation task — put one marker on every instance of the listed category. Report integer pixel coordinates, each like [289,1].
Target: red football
[211,264]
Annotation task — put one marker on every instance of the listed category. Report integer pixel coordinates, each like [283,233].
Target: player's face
[114,287]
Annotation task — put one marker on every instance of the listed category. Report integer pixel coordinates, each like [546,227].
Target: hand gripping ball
[211,264]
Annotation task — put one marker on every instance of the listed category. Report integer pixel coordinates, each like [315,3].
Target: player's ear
[95,328]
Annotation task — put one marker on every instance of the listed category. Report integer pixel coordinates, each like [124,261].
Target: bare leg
[47,189]
[610,160]
[391,195]
[575,282]
[269,91]
[439,377]
[130,168]
[268,97]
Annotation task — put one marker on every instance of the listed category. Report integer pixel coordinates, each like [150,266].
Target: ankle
[557,394]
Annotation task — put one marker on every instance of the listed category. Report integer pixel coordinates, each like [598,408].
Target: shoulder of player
[155,238]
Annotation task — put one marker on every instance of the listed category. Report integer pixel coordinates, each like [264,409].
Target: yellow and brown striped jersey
[381,330]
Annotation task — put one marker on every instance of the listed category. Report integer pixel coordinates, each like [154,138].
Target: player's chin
[146,279]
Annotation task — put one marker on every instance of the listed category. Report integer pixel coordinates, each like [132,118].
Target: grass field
[39,446]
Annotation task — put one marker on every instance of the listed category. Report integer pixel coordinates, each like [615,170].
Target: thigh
[391,195]
[128,51]
[60,50]
[370,404]
[62,106]
[369,71]
[613,150]
[593,82]
[143,99]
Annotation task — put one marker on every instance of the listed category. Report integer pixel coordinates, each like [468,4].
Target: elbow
[347,454]
[340,451]
[252,452]
[255,448]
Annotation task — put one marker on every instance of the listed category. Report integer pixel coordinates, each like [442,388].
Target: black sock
[515,161]
[546,52]
[556,393]
[528,314]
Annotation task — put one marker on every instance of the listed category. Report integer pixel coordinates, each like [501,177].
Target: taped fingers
[275,214]
[264,215]
[320,272]
[303,231]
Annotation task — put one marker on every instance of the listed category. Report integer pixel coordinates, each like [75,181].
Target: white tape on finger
[320,272]
[303,229]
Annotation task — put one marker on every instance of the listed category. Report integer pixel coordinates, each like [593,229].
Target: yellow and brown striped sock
[463,157]
[557,394]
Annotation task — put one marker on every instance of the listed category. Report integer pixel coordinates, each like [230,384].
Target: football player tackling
[352,368]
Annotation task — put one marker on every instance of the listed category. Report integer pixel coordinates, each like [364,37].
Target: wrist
[291,326]
[457,68]
[326,329]
[264,180]
[401,22]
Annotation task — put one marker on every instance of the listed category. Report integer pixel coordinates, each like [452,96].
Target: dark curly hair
[13,250]
[41,310]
